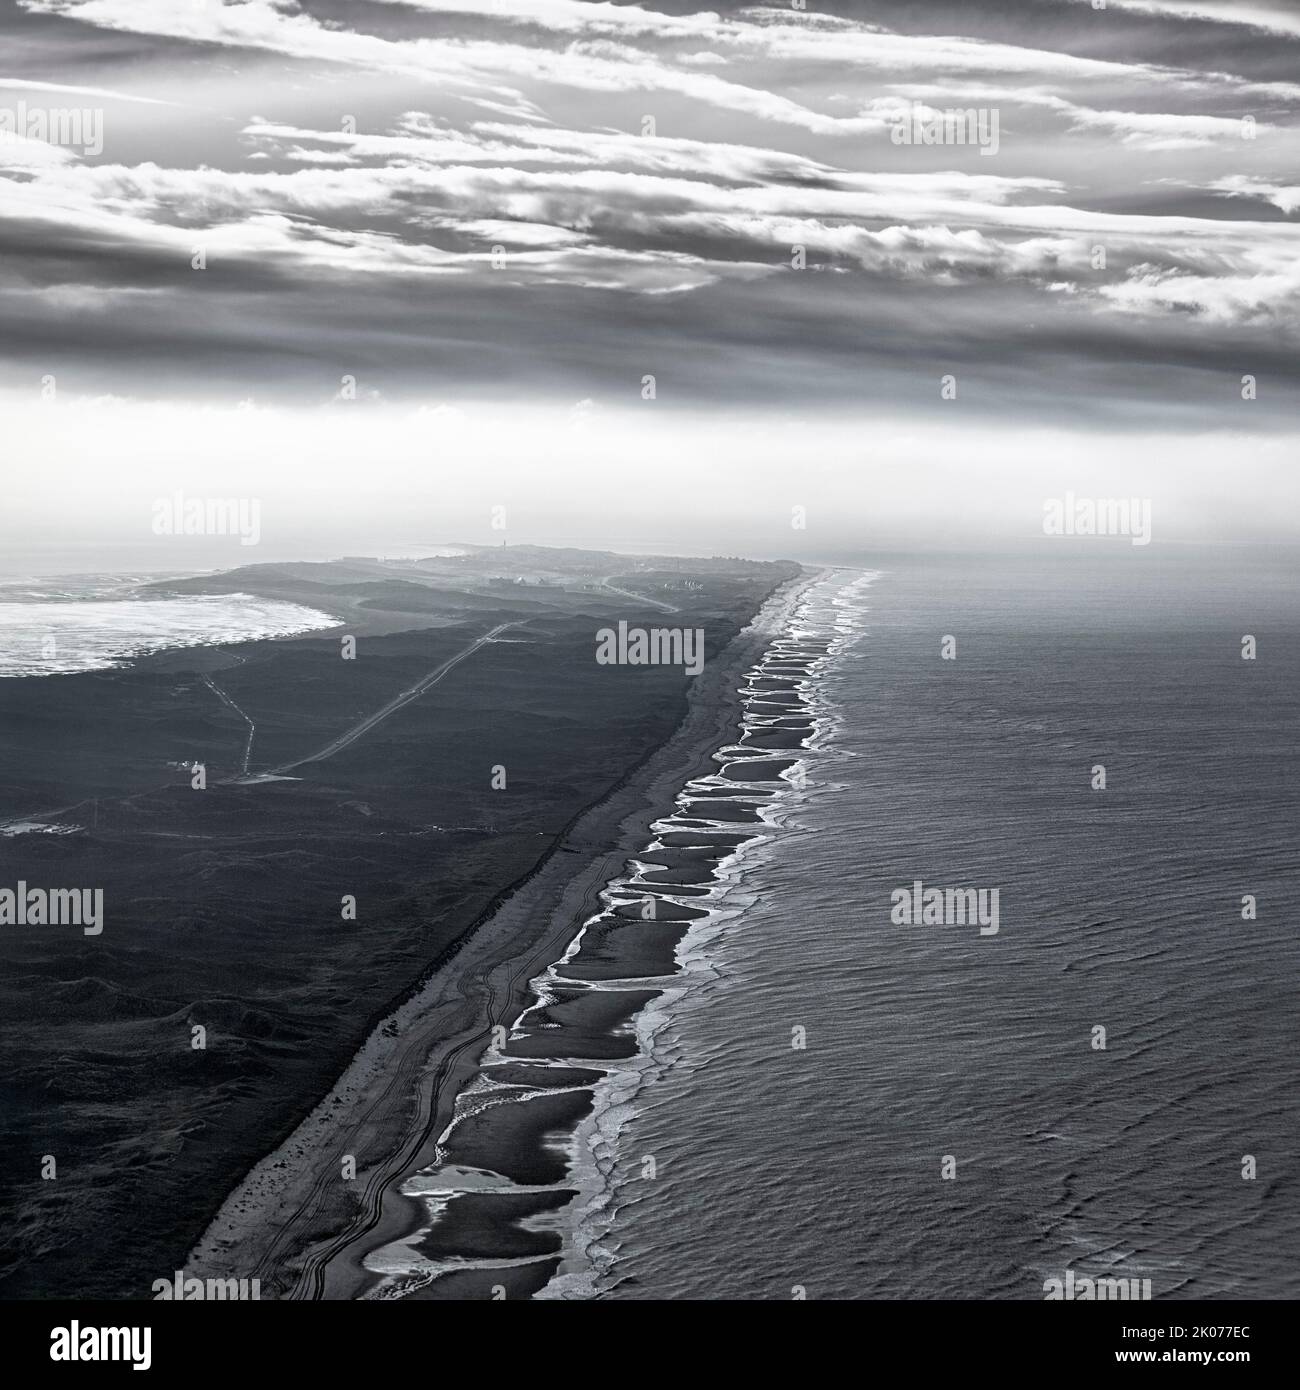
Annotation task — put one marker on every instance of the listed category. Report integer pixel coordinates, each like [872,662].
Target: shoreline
[506,1214]
[294,1221]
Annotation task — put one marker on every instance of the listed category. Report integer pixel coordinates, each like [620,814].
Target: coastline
[531,1172]
[295,1222]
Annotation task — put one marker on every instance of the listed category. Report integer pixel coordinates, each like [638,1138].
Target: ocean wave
[63,635]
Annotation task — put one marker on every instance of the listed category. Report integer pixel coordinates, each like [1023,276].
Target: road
[640,598]
[252,728]
[345,740]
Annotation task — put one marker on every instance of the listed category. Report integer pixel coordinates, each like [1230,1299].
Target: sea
[97,622]
[821,1094]
[793,1086]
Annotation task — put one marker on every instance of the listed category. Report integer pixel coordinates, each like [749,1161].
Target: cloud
[28,84]
[616,229]
[1285,197]
[1254,14]
[1240,297]
[1159,131]
[595,62]
[18,152]
[549,193]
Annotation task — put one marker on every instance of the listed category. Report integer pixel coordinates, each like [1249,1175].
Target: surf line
[534,1206]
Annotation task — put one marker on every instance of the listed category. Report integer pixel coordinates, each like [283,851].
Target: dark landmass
[223,907]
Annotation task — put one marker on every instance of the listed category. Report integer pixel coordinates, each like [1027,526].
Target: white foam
[48,637]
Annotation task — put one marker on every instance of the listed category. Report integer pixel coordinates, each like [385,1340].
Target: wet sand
[519,1281]
[484,1225]
[510,1139]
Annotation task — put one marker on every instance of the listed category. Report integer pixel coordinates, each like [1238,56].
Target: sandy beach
[298,1221]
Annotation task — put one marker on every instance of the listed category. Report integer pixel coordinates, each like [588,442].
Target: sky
[646,275]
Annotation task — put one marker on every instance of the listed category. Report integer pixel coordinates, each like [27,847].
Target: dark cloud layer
[464,201]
